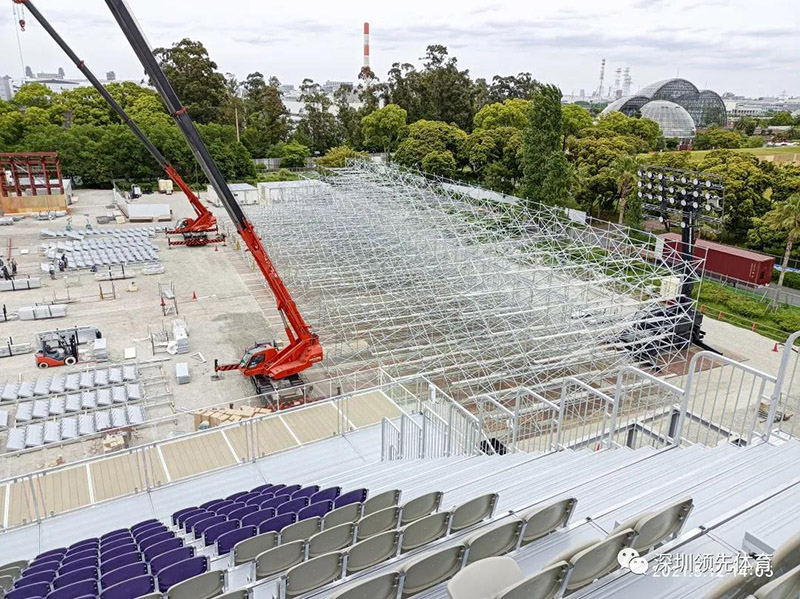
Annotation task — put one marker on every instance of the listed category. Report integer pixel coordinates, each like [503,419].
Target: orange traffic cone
[194,296]
[775,348]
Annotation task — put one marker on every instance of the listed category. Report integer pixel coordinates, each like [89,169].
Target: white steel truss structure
[478,291]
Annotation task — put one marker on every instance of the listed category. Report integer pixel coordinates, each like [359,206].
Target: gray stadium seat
[484,578]
[498,540]
[420,507]
[653,528]
[342,515]
[473,511]
[312,574]
[785,558]
[249,549]
[383,586]
[280,558]
[542,520]
[546,584]
[784,587]
[373,551]
[238,594]
[423,531]
[332,539]
[378,522]
[381,502]
[593,559]
[301,531]
[6,583]
[428,570]
[202,586]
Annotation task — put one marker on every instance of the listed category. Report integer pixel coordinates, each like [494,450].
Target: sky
[746,47]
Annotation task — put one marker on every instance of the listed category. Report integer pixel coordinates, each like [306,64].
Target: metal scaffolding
[476,290]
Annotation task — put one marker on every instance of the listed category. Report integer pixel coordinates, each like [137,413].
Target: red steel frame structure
[31,173]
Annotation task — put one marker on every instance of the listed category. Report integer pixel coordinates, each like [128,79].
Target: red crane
[195,231]
[264,363]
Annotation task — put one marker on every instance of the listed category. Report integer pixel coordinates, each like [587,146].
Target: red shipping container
[729,261]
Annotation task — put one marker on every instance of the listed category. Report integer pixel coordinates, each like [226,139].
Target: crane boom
[303,348]
[204,220]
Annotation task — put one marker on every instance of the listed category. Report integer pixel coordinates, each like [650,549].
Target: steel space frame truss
[471,288]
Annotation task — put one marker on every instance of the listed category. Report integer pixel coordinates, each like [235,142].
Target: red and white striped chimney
[366,45]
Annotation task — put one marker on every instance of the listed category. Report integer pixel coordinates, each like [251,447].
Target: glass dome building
[674,120]
[705,107]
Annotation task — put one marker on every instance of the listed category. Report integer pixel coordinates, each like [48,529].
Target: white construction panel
[73,402]
[89,400]
[41,408]
[86,424]
[9,392]
[134,391]
[73,382]
[16,439]
[34,435]
[69,427]
[42,386]
[3,418]
[102,420]
[52,432]
[25,390]
[118,394]
[135,414]
[24,412]
[119,417]
[104,397]
[57,406]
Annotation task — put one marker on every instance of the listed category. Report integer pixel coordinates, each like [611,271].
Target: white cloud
[716,43]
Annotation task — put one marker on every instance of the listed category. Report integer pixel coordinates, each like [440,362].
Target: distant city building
[111,76]
[330,87]
[675,97]
[738,106]
[5,88]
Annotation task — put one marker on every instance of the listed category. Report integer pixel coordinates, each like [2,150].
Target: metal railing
[785,407]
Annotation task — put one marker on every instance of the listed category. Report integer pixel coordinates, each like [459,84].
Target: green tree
[544,164]
[782,119]
[439,163]
[645,129]
[384,128]
[347,116]
[520,86]
[33,94]
[425,137]
[266,116]
[318,125]
[785,216]
[575,119]
[624,171]
[509,113]
[746,125]
[293,154]
[494,157]
[195,78]
[338,157]
[718,138]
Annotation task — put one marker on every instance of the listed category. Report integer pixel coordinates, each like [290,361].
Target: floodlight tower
[600,89]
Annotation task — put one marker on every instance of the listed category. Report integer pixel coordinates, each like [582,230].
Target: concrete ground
[230,313]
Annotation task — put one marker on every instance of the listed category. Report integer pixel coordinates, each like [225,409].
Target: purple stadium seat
[262,488]
[246,497]
[75,590]
[122,560]
[114,543]
[277,523]
[305,491]
[291,489]
[86,562]
[188,524]
[241,512]
[156,539]
[151,530]
[186,515]
[48,560]
[130,589]
[170,557]
[114,534]
[258,517]
[38,577]
[274,502]
[33,591]
[179,513]
[143,524]
[85,544]
[275,488]
[179,572]
[222,506]
[226,541]
[43,567]
[357,496]
[212,533]
[295,505]
[60,552]
[74,557]
[236,496]
[329,494]
[201,526]
[122,574]
[256,499]
[208,505]
[315,509]
[162,547]
[118,550]
[226,510]
[69,578]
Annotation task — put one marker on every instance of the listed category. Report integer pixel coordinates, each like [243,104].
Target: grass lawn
[697,155]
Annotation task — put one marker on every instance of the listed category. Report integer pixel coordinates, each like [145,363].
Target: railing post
[402,448]
[424,435]
[561,410]
[449,447]
[383,440]
[777,392]
[613,424]
[515,423]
